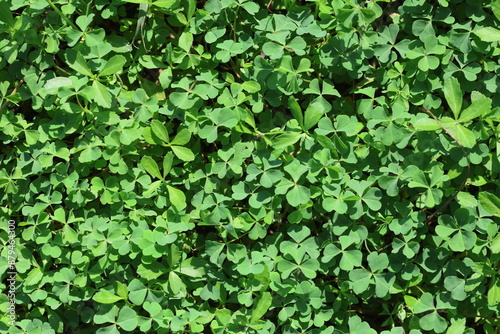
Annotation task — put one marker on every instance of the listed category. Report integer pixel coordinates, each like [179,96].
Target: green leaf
[53,85]
[151,271]
[152,188]
[453,95]
[456,286]
[433,322]
[383,284]
[273,50]
[76,61]
[183,153]
[458,327]
[151,166]
[165,77]
[332,204]
[102,95]
[177,198]
[251,86]
[495,7]
[208,132]
[284,140]
[466,199]
[490,202]
[127,319]
[494,293]
[480,106]
[424,304]
[296,111]
[182,138]
[160,130]
[113,66]
[91,153]
[167,163]
[377,262]
[465,136]
[166,4]
[326,143]
[6,14]
[137,291]
[175,283]
[462,237]
[358,326]
[286,268]
[69,234]
[313,114]
[226,117]
[309,268]
[488,34]
[95,38]
[298,233]
[372,199]
[361,280]
[418,180]
[495,245]
[186,41]
[350,259]
[262,304]
[192,267]
[105,297]
[34,276]
[296,170]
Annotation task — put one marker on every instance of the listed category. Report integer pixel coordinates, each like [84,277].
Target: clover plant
[250,166]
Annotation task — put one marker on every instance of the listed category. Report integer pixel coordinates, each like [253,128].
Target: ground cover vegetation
[249,166]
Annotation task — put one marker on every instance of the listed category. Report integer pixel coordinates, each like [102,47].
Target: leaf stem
[366,246]
[61,69]
[235,239]
[429,218]
[236,70]
[420,289]
[6,101]
[62,15]
[234,24]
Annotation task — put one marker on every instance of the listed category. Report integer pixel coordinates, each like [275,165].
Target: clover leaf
[458,230]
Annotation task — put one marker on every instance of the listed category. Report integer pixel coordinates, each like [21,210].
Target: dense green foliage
[239,166]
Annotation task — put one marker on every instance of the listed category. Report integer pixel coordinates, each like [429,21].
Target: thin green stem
[366,246]
[420,289]
[62,15]
[236,69]
[6,101]
[234,24]
[235,239]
